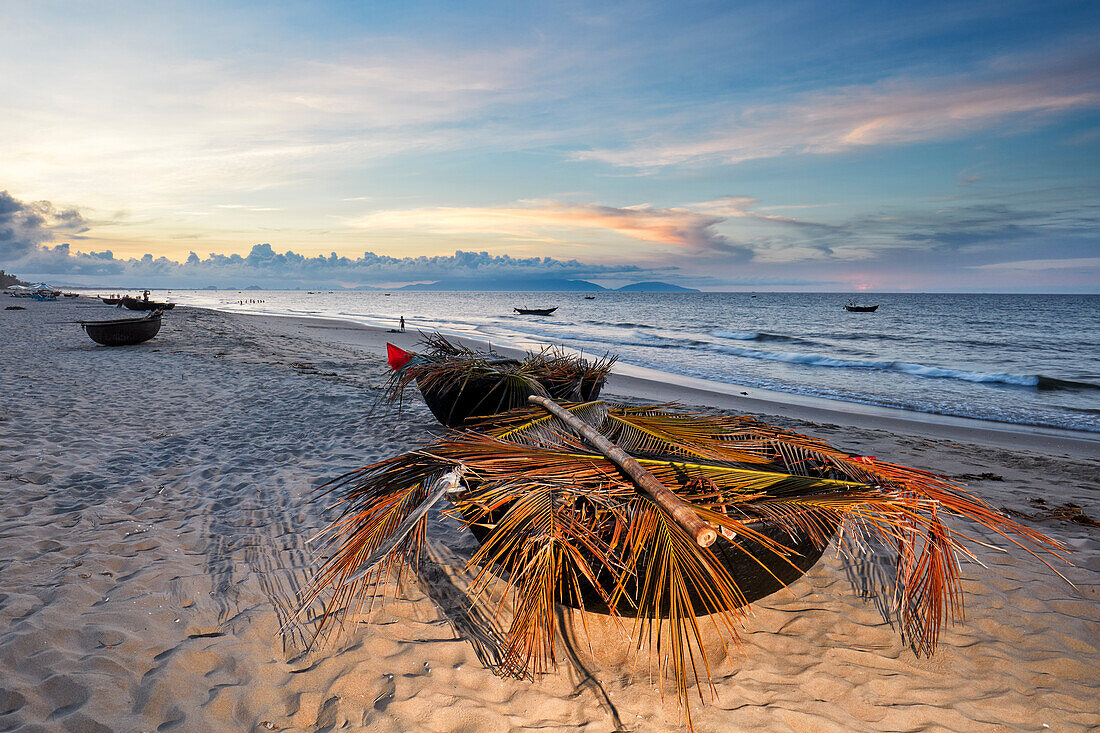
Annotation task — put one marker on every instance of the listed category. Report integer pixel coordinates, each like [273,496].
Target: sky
[887,146]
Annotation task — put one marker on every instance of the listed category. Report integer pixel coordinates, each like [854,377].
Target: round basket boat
[125,332]
[757,570]
[584,389]
[475,397]
[489,395]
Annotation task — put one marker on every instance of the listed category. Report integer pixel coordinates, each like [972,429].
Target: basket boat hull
[126,332]
[487,396]
[135,304]
[755,578]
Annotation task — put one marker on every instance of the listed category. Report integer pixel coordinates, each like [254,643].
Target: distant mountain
[508,285]
[654,286]
[545,285]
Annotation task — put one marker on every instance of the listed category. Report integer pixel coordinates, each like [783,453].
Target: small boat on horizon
[590,297]
[535,311]
[853,308]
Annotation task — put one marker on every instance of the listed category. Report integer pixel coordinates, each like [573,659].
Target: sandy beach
[155,530]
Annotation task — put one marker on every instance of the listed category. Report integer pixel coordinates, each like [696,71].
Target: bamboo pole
[701,530]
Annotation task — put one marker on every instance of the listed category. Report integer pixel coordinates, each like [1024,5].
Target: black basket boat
[138,304]
[757,570]
[125,332]
[490,391]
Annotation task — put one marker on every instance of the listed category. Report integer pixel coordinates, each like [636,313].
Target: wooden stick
[685,516]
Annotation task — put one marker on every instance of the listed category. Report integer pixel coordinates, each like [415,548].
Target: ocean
[1026,359]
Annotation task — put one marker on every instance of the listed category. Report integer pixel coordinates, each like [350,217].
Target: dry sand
[154,529]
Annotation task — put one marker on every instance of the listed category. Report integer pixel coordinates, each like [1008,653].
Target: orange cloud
[673,226]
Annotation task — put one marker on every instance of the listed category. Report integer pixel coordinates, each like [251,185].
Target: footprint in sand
[10,701]
[65,694]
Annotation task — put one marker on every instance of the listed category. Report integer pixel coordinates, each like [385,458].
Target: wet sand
[155,524]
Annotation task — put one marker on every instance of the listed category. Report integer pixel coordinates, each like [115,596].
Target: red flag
[397,357]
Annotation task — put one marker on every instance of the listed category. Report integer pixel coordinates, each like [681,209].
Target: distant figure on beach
[145,296]
[402,324]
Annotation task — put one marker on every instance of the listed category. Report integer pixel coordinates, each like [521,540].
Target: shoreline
[628,380]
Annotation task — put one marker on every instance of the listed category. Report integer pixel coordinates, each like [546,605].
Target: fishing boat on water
[851,307]
[124,332]
[535,311]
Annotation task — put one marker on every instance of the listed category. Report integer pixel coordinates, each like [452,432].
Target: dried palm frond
[569,376]
[560,523]
[442,366]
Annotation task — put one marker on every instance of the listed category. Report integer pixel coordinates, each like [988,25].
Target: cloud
[678,227]
[289,269]
[729,240]
[23,225]
[746,207]
[1074,263]
[264,266]
[897,111]
[143,125]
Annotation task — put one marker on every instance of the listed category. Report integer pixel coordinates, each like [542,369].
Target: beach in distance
[157,514]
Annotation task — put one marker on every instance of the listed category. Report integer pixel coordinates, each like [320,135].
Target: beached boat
[535,311]
[454,404]
[111,301]
[140,304]
[756,570]
[124,332]
[458,385]
[852,308]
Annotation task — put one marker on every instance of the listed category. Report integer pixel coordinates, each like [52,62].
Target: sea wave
[753,336]
[1036,381]
[1051,383]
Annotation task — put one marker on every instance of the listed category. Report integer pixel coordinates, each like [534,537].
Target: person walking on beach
[402,324]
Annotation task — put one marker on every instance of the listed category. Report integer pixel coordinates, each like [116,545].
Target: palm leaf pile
[568,376]
[458,382]
[559,523]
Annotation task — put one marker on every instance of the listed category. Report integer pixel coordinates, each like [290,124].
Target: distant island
[654,286]
[544,286]
[507,285]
